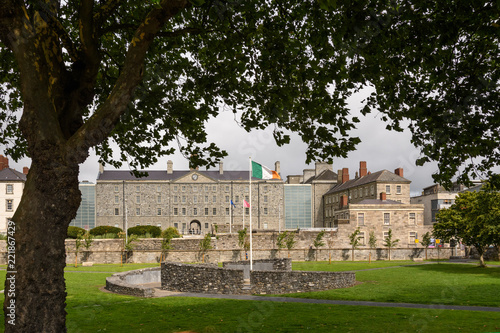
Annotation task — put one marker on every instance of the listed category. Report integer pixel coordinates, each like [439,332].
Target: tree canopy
[474,219]
[149,74]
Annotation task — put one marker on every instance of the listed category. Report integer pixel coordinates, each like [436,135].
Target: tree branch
[105,10]
[100,125]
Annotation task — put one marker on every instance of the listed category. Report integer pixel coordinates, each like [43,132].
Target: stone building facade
[375,202]
[190,200]
[320,180]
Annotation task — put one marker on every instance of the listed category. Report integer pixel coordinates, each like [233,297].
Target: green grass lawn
[91,310]
[455,284]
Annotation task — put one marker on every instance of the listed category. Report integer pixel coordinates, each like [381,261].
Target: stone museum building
[190,200]
[11,191]
[375,202]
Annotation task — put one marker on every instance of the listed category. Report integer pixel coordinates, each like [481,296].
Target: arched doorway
[195,227]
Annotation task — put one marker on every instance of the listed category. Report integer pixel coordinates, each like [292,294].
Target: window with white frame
[117,199]
[214,211]
[183,199]
[175,188]
[413,218]
[206,211]
[116,188]
[398,189]
[158,211]
[227,188]
[138,188]
[176,211]
[214,199]
[227,198]
[386,234]
[361,218]
[138,199]
[158,188]
[247,211]
[184,211]
[195,199]
[265,210]
[388,189]
[214,188]
[387,218]
[206,198]
[158,199]
[138,211]
[117,211]
[195,211]
[265,198]
[411,237]
[9,189]
[9,205]
[195,188]
[176,199]
[361,236]
[183,188]
[227,211]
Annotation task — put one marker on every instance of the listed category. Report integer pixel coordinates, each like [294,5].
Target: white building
[11,190]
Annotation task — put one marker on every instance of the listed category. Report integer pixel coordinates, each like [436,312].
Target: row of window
[184,211]
[387,218]
[184,188]
[362,191]
[412,236]
[196,199]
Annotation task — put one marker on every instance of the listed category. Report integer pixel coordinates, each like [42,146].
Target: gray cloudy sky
[380,148]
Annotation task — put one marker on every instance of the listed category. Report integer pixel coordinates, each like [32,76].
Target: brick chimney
[4,162]
[383,196]
[363,171]
[345,175]
[170,167]
[343,201]
[26,170]
[221,168]
[399,172]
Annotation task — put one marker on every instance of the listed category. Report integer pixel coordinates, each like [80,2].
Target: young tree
[281,240]
[318,242]
[78,245]
[354,241]
[389,243]
[242,237]
[129,246]
[426,241]
[81,75]
[205,245]
[372,242]
[290,242]
[474,218]
[330,245]
[88,239]
[166,243]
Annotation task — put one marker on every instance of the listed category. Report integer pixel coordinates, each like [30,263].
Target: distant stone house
[375,202]
[190,200]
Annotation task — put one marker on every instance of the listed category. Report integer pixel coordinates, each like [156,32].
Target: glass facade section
[298,203]
[85,216]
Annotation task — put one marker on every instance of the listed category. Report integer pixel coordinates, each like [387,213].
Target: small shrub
[74,231]
[143,230]
[104,230]
[171,232]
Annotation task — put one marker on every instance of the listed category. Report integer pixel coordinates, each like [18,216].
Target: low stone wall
[284,264]
[129,283]
[208,279]
[281,282]
[214,280]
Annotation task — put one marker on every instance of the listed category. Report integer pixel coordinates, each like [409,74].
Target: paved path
[163,293]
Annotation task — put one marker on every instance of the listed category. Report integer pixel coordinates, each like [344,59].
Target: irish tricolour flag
[262,172]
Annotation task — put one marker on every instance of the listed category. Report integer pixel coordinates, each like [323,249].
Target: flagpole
[243,206]
[230,216]
[250,199]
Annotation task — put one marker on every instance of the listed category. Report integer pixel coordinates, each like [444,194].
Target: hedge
[105,229]
[73,232]
[171,232]
[142,230]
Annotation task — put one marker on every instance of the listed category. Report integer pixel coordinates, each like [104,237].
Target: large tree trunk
[49,202]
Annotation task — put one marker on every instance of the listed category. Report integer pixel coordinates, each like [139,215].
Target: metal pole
[250,199]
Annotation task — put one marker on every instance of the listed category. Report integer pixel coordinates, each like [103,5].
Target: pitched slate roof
[11,175]
[377,202]
[383,176]
[163,175]
[324,175]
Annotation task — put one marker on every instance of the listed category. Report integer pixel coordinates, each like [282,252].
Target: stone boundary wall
[107,251]
[214,280]
[260,265]
[282,282]
[201,278]
[128,283]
